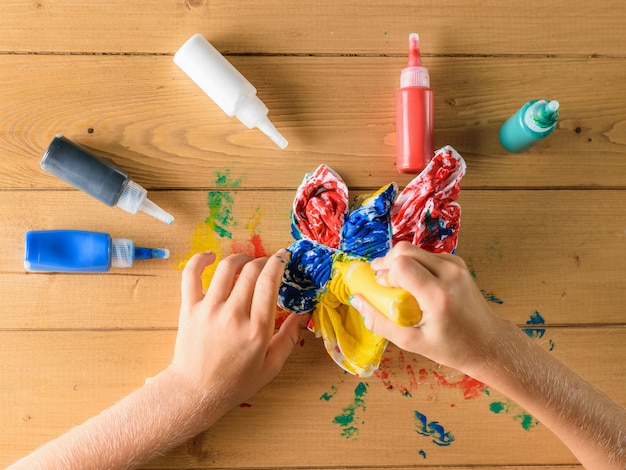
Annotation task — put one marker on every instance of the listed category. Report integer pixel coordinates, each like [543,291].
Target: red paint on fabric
[430,197]
[320,207]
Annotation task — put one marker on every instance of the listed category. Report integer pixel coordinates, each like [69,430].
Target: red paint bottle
[414,114]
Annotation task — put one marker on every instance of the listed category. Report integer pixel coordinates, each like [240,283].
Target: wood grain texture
[65,377]
[531,250]
[322,26]
[145,115]
[543,232]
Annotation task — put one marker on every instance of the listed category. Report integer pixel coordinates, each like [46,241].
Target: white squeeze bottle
[225,85]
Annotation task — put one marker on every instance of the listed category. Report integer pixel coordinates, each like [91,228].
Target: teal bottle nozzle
[531,123]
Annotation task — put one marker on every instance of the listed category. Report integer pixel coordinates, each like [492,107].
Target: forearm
[152,420]
[592,425]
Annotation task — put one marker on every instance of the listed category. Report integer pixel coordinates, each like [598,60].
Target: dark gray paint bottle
[98,178]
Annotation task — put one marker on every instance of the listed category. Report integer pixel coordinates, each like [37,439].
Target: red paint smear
[301,342]
[412,379]
[254,247]
[259,249]
[472,388]
[245,405]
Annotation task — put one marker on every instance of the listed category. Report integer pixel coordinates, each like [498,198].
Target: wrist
[202,405]
[500,350]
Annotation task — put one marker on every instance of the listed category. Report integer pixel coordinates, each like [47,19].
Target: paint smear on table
[215,232]
[349,420]
[509,407]
[405,376]
[538,332]
[490,296]
[432,429]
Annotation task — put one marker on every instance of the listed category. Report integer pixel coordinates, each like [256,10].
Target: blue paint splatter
[491,298]
[432,429]
[535,319]
[422,453]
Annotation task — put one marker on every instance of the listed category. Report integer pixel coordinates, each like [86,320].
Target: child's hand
[457,327]
[226,345]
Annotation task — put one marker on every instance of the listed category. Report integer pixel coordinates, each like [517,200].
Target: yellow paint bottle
[395,303]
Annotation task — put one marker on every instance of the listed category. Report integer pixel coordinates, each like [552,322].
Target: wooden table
[543,231]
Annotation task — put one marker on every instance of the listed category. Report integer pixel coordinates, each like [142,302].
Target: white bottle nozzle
[225,85]
[134,198]
[122,253]
[150,208]
[269,130]
[553,105]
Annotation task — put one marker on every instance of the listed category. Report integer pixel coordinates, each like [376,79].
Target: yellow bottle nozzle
[395,303]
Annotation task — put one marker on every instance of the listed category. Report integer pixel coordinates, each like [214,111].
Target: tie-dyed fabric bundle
[329,230]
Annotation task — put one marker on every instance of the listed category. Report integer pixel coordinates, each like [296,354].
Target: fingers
[376,322]
[191,283]
[225,276]
[428,260]
[265,295]
[282,344]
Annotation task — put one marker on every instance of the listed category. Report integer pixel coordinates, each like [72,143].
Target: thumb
[282,344]
[375,321]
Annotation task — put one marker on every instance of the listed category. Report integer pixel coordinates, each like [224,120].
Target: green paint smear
[326,396]
[220,212]
[527,422]
[346,418]
[224,179]
[220,204]
[496,407]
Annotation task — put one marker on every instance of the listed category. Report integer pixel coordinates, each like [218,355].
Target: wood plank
[143,114]
[51,381]
[555,252]
[321,26]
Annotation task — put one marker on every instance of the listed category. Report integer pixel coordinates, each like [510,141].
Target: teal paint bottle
[531,123]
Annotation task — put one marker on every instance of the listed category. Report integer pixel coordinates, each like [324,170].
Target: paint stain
[254,245]
[433,429]
[508,407]
[204,238]
[486,294]
[215,231]
[327,396]
[470,387]
[399,373]
[491,297]
[422,453]
[225,179]
[220,217]
[348,419]
[538,333]
[535,319]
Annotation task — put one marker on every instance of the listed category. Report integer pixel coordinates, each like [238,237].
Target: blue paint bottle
[78,251]
[531,123]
